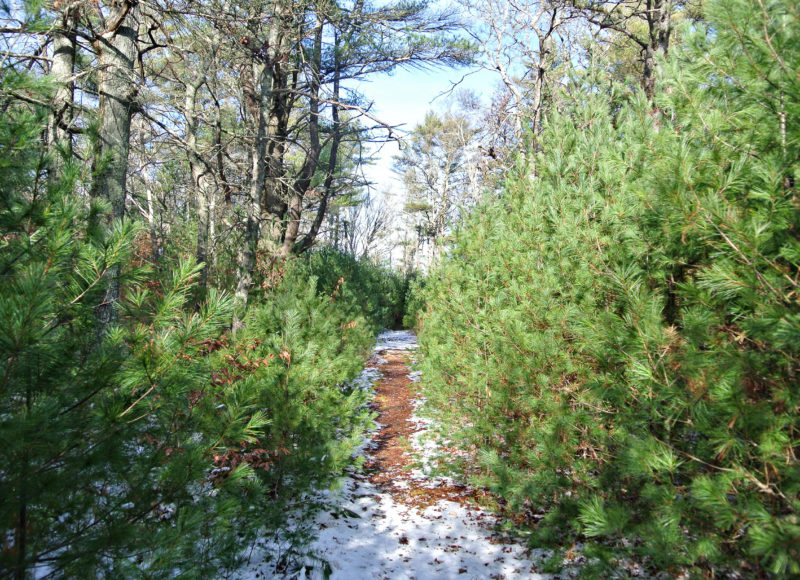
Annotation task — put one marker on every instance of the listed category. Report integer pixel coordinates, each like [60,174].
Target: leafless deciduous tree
[519,40]
[619,15]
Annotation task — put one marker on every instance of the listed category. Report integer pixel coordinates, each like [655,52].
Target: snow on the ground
[396,541]
[396,340]
[376,537]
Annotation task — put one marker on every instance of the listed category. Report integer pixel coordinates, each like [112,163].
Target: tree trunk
[659,27]
[333,160]
[155,238]
[273,194]
[219,152]
[252,227]
[270,106]
[62,70]
[202,181]
[117,51]
[311,163]
[547,50]
[202,168]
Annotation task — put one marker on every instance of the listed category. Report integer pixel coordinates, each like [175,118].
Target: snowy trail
[409,525]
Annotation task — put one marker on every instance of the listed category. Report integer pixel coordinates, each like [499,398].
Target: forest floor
[396,520]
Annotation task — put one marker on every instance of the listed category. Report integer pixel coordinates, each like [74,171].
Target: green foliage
[361,286]
[294,362]
[104,469]
[414,301]
[314,348]
[158,447]
[617,339]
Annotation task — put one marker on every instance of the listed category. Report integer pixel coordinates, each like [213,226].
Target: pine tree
[616,340]
[103,472]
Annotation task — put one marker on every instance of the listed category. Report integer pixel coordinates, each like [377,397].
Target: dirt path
[396,521]
[412,525]
[391,462]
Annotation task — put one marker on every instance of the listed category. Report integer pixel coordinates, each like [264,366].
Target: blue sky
[405,96]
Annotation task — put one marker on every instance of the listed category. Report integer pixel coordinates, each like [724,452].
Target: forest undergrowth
[163,442]
[615,340]
[610,334]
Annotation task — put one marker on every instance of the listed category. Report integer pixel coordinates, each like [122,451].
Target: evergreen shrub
[615,344]
[414,300]
[104,470]
[375,291]
[159,446]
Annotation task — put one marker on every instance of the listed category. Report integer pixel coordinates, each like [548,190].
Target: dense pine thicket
[376,292]
[159,445]
[615,342]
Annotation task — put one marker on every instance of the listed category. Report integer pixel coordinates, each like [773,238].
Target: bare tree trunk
[246,256]
[336,232]
[333,161]
[274,191]
[441,208]
[202,168]
[415,255]
[212,233]
[202,181]
[547,49]
[62,70]
[649,74]
[248,250]
[271,112]
[659,26]
[303,182]
[273,198]
[117,50]
[155,241]
[295,213]
[219,152]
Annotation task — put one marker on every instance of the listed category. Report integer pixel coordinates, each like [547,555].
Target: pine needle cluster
[158,446]
[616,341]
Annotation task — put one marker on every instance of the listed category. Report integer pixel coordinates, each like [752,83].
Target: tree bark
[117,50]
[62,70]
[155,238]
[270,107]
[659,27]
[246,256]
[547,49]
[333,161]
[202,181]
[274,190]
[311,163]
